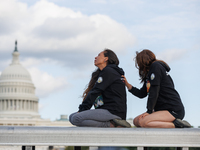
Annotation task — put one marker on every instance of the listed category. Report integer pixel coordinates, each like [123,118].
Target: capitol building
[18,102]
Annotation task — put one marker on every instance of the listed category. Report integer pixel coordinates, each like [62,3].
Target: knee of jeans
[75,119]
[70,118]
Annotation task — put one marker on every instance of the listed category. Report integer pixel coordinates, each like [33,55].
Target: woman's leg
[159,119]
[93,118]
[71,116]
[136,121]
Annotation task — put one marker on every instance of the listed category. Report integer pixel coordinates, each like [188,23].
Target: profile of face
[100,60]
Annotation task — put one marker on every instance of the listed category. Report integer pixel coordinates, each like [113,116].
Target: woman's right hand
[129,86]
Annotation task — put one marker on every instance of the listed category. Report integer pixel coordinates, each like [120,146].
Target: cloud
[99,1]
[46,83]
[63,28]
[170,55]
[46,30]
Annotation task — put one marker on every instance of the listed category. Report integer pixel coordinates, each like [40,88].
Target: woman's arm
[89,100]
[152,99]
[141,93]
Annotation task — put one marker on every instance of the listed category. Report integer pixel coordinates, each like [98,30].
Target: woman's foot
[181,123]
[120,123]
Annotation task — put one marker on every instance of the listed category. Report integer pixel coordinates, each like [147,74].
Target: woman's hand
[129,86]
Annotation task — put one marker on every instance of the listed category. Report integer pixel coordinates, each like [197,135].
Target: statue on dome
[16,46]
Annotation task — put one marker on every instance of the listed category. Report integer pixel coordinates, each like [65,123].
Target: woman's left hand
[129,86]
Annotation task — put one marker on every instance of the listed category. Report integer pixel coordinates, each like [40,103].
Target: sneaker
[119,122]
[181,123]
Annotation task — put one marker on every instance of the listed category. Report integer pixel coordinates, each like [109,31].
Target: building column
[22,104]
[13,104]
[19,100]
[0,105]
[17,104]
[35,108]
[28,105]
[25,105]
[4,104]
[9,104]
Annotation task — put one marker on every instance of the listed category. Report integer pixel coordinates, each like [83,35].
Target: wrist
[129,86]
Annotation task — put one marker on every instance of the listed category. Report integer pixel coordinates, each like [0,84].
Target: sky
[59,39]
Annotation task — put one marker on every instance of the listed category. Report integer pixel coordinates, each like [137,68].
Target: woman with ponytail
[106,91]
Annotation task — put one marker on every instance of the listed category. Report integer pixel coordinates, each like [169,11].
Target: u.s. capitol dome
[17,91]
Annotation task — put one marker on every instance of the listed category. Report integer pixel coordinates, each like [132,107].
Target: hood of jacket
[164,65]
[118,69]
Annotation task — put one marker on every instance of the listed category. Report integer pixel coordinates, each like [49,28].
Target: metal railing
[98,137]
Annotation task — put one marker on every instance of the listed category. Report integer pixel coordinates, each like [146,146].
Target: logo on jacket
[148,85]
[152,76]
[100,79]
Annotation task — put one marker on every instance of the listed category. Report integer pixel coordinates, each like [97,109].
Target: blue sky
[58,40]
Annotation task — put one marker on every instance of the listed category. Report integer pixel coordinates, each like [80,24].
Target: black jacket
[161,92]
[112,88]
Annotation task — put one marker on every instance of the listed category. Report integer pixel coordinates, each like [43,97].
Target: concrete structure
[95,137]
[18,102]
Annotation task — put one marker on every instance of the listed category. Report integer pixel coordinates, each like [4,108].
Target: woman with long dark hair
[106,91]
[164,106]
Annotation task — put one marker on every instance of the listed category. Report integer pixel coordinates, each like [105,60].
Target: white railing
[97,137]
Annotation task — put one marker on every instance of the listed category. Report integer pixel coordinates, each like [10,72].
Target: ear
[105,59]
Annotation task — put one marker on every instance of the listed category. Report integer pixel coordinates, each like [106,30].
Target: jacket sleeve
[141,93]
[89,100]
[105,78]
[152,99]
[155,77]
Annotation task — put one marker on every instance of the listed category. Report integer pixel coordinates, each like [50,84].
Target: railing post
[93,148]
[28,147]
[77,147]
[140,148]
[179,148]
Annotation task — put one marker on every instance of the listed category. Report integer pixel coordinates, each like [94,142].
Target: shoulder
[108,69]
[156,69]
[113,69]
[156,66]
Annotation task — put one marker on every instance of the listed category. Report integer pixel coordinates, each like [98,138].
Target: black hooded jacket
[160,89]
[112,89]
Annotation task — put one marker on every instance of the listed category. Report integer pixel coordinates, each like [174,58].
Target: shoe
[181,123]
[119,122]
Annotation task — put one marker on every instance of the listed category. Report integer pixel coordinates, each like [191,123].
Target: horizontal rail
[85,136]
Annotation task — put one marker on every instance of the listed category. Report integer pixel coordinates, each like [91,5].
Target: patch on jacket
[100,79]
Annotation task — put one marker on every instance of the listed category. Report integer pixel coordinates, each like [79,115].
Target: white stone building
[18,102]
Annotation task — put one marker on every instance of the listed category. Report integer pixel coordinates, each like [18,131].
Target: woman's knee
[136,122]
[143,123]
[75,119]
[70,117]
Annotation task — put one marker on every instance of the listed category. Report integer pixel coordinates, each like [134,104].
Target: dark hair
[143,61]
[112,59]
